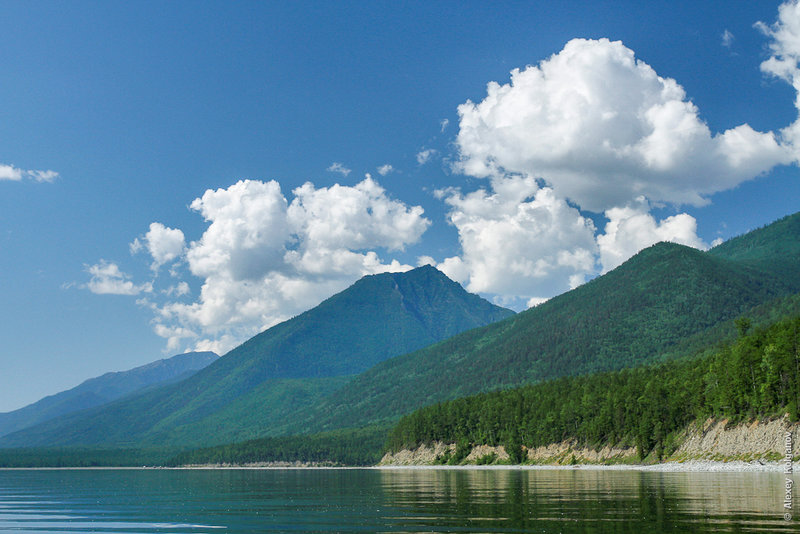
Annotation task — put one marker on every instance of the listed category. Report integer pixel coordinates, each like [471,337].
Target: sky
[181,175]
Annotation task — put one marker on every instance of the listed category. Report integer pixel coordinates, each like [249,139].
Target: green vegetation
[670,305]
[84,457]
[361,446]
[247,392]
[667,301]
[757,376]
[775,248]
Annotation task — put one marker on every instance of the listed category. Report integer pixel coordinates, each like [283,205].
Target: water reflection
[564,501]
[584,500]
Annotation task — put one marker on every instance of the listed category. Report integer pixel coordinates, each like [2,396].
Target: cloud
[353,217]
[174,335]
[263,259]
[536,301]
[727,38]
[590,129]
[247,234]
[783,61]
[602,129]
[444,123]
[425,155]
[383,170]
[593,129]
[108,279]
[9,172]
[163,244]
[338,167]
[519,239]
[785,42]
[43,176]
[178,290]
[633,228]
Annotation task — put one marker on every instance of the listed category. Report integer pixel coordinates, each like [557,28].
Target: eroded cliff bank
[763,440]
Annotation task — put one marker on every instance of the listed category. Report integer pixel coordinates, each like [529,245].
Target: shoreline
[690,466]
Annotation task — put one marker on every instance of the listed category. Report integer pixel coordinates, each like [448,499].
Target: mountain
[297,363]
[774,248]
[754,378]
[647,307]
[650,308]
[104,389]
[657,307]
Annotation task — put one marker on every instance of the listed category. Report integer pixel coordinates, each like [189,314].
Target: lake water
[371,500]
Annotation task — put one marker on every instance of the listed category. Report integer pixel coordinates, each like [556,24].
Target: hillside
[296,363]
[646,407]
[630,316]
[104,389]
[666,302]
[643,413]
[774,248]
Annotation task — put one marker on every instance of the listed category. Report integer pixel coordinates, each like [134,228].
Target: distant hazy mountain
[104,389]
[296,363]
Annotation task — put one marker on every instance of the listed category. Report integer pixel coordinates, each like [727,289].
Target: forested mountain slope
[627,317]
[774,248]
[293,364]
[646,407]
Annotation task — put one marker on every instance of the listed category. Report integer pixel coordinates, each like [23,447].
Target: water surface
[370,500]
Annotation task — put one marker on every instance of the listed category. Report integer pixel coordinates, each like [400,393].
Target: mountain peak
[287,366]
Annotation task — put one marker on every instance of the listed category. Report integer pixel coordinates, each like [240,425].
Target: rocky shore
[707,446]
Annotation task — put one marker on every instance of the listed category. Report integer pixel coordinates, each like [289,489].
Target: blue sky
[153,157]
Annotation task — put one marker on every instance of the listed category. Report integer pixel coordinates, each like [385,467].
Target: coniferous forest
[756,376]
[673,335]
[363,446]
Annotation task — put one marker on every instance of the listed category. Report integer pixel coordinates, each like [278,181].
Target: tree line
[361,446]
[758,375]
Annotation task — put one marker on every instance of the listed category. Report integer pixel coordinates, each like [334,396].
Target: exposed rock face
[713,440]
[556,453]
[482,451]
[562,453]
[758,439]
[422,455]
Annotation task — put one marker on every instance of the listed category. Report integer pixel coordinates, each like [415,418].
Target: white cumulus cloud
[783,61]
[43,176]
[162,243]
[633,228]
[594,129]
[519,239]
[353,217]
[603,128]
[247,233]
[108,279]
[9,172]
[263,259]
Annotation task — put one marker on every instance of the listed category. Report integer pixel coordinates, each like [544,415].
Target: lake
[403,500]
